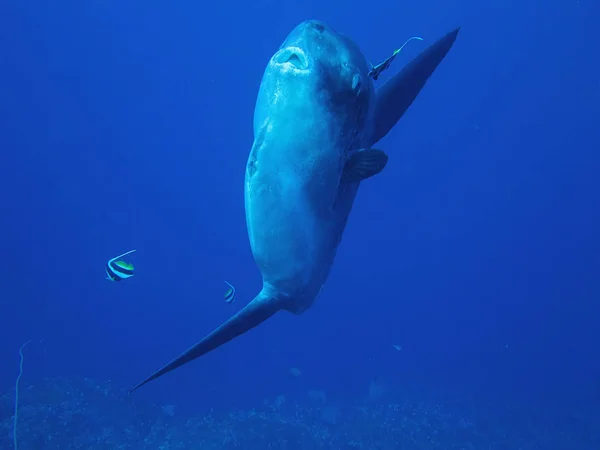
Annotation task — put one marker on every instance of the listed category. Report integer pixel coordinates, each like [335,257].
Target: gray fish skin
[316,118]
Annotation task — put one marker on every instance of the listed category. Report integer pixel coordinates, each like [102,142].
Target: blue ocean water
[462,310]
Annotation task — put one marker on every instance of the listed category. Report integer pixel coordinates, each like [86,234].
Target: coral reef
[83,414]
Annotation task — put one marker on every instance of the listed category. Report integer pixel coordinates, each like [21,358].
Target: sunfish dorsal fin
[398,93]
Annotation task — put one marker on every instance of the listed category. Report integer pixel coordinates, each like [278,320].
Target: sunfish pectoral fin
[252,315]
[363,164]
[398,93]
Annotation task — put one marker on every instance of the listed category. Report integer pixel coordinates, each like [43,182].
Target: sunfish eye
[319,27]
[356,83]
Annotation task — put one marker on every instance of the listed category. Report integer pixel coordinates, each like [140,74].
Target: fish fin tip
[249,317]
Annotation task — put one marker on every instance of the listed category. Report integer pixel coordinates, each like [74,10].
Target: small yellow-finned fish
[376,70]
[230,294]
[117,270]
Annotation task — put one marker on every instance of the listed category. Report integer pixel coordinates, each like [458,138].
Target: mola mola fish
[316,120]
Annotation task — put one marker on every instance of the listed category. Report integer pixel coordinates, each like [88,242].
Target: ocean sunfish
[316,120]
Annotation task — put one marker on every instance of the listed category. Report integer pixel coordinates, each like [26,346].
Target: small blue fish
[230,294]
[119,270]
[376,70]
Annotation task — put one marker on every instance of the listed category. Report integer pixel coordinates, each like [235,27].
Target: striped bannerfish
[117,270]
[230,294]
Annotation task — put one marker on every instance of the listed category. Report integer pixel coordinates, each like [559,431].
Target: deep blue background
[127,125]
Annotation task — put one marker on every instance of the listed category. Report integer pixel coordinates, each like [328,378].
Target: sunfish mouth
[291,58]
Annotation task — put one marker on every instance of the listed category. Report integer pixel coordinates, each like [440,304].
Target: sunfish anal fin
[252,315]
